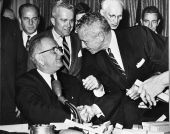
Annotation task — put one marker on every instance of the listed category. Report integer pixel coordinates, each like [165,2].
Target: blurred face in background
[63,21]
[151,21]
[29,20]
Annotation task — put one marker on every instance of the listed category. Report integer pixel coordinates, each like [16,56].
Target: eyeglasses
[54,49]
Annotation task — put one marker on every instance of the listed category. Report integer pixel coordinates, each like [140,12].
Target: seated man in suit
[118,60]
[35,96]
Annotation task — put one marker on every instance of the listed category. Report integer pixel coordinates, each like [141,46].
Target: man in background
[62,20]
[13,65]
[29,19]
[112,10]
[151,18]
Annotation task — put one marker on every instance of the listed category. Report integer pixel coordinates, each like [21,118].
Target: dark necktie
[27,43]
[115,62]
[66,56]
[52,77]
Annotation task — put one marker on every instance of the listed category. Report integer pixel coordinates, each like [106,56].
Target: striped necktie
[66,56]
[28,43]
[115,61]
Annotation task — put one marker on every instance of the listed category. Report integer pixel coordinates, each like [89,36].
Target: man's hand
[133,92]
[91,83]
[86,113]
[152,87]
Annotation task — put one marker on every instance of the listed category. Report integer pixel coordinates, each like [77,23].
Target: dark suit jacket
[135,44]
[13,64]
[40,105]
[76,47]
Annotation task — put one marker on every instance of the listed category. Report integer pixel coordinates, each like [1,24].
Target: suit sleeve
[157,50]
[21,53]
[110,102]
[39,105]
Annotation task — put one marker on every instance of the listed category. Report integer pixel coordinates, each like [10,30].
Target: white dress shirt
[59,40]
[47,77]
[115,49]
[25,37]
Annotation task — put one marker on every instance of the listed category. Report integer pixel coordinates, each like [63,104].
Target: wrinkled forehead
[115,10]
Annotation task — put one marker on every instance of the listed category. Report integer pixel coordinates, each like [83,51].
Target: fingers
[133,92]
[147,98]
[86,113]
[142,95]
[90,83]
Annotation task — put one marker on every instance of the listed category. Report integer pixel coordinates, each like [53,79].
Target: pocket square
[139,64]
[80,54]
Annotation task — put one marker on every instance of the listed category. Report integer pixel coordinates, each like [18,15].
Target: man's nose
[30,21]
[116,20]
[150,24]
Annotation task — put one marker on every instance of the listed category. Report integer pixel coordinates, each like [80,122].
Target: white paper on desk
[22,128]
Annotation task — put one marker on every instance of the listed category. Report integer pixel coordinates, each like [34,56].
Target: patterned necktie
[115,62]
[66,56]
[28,43]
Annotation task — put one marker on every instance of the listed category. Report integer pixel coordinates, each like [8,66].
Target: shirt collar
[55,34]
[47,77]
[26,35]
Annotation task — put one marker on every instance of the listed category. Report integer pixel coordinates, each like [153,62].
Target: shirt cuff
[99,92]
[98,112]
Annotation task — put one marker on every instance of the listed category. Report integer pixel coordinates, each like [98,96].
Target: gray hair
[105,3]
[63,5]
[94,18]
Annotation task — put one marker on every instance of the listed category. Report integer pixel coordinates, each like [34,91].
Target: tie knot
[28,37]
[64,39]
[109,50]
[110,53]
[52,77]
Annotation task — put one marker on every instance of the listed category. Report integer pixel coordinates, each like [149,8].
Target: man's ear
[52,21]
[19,20]
[159,21]
[141,21]
[101,36]
[39,59]
[102,12]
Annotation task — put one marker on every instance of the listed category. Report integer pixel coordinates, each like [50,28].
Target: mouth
[112,25]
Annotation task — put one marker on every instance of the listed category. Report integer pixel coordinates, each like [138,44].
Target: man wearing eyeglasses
[35,96]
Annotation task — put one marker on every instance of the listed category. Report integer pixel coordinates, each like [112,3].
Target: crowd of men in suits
[100,79]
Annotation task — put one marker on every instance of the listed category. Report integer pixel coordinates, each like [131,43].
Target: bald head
[112,10]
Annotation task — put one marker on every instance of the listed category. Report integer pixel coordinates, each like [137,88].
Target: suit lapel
[126,52]
[75,50]
[40,78]
[105,64]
